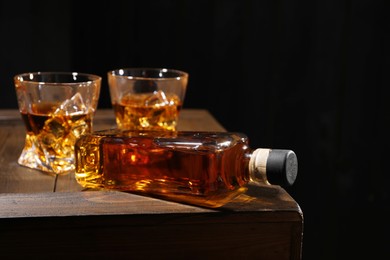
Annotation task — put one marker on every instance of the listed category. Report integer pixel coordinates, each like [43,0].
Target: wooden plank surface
[37,220]
[105,202]
[40,195]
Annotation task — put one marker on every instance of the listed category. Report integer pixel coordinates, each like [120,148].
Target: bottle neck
[258,165]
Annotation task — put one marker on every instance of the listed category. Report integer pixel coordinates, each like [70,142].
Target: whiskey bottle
[200,168]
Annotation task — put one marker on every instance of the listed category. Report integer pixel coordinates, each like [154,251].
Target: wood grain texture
[107,202]
[263,223]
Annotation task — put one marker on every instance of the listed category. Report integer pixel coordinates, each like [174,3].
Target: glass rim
[121,73]
[26,77]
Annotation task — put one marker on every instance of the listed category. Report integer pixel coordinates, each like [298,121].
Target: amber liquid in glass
[181,169]
[148,111]
[50,138]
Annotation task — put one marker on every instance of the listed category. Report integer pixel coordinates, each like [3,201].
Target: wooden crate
[46,218]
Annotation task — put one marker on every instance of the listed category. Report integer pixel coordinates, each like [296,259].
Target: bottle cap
[282,167]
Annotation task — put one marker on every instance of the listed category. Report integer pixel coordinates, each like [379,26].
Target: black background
[311,76]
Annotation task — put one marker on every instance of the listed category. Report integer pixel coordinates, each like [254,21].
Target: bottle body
[202,168]
[178,165]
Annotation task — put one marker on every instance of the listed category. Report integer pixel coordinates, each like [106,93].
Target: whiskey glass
[147,98]
[56,108]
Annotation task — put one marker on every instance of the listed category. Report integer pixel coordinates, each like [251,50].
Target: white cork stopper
[258,165]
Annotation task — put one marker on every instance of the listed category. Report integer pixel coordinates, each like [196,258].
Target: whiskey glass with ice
[147,98]
[56,108]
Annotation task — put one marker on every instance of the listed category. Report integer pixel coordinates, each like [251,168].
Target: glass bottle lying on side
[200,168]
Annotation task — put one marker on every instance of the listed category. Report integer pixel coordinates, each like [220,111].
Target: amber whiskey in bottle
[201,168]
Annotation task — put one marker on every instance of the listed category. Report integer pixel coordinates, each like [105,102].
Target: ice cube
[55,127]
[73,106]
[158,98]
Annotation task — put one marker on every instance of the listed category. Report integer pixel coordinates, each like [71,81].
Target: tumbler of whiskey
[147,98]
[201,168]
[56,108]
